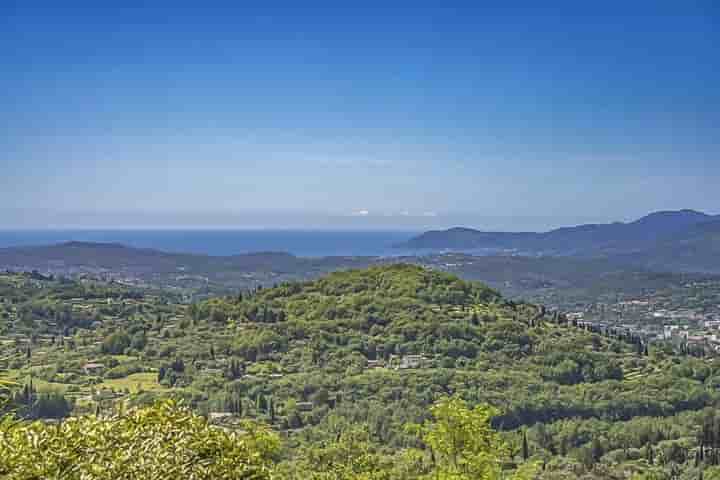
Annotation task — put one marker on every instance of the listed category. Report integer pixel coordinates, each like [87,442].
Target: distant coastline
[218,242]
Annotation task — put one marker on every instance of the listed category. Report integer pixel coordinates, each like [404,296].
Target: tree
[178,365]
[217,316]
[596,449]
[163,441]
[464,445]
[51,405]
[6,388]
[116,343]
[271,409]
[351,456]
[139,341]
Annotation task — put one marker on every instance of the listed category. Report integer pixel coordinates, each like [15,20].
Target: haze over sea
[306,243]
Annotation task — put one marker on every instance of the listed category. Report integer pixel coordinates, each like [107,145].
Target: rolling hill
[514,275]
[695,250]
[194,271]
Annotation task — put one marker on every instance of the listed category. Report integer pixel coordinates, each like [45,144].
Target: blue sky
[392,114]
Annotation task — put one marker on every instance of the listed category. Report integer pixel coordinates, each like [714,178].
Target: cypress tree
[271,410]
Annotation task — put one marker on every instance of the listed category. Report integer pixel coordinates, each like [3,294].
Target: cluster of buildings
[399,362]
[659,318]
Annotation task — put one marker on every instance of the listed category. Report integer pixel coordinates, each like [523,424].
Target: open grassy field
[134,383]
[40,385]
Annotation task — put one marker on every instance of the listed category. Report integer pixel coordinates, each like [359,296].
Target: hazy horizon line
[318,222]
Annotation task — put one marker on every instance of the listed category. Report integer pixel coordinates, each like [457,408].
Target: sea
[304,243]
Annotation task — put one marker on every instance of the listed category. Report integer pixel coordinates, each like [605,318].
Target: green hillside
[344,366]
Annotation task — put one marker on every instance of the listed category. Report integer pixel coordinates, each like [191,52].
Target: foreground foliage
[161,442]
[464,445]
[462,441]
[169,442]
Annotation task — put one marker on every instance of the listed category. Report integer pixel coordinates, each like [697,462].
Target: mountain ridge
[649,239]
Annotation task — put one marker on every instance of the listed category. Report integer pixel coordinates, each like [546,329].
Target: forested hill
[380,291]
[370,314]
[376,347]
[696,249]
[114,257]
[192,271]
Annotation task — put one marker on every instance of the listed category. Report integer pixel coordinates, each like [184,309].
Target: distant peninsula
[680,240]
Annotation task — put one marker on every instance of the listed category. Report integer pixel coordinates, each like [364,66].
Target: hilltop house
[407,361]
[93,368]
[375,364]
